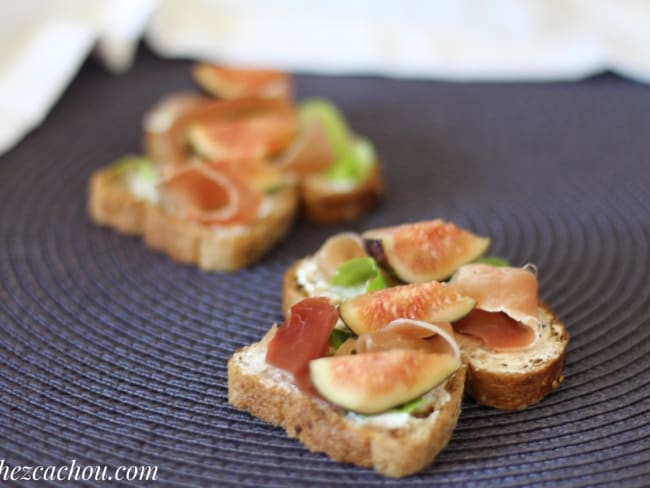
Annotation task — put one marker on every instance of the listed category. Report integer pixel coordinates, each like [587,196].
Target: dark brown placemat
[111,354]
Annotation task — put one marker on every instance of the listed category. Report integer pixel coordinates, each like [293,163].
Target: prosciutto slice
[337,250]
[214,193]
[311,153]
[410,334]
[506,312]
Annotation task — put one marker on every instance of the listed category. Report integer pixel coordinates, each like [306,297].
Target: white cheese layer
[142,186]
[393,420]
[314,283]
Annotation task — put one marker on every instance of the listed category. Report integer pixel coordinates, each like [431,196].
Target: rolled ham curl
[512,292]
[210,193]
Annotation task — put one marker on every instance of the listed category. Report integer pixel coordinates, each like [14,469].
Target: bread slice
[516,380]
[393,449]
[225,248]
[292,292]
[324,202]
[506,380]
[111,203]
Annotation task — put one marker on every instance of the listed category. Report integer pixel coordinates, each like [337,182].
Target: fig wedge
[424,251]
[237,83]
[429,302]
[375,382]
[253,136]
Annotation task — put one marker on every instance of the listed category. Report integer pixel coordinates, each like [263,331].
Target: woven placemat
[111,354]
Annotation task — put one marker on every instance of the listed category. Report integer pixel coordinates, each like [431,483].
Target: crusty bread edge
[111,204]
[321,204]
[292,293]
[507,391]
[516,390]
[321,427]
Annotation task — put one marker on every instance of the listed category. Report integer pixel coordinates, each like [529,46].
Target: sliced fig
[237,83]
[429,302]
[218,113]
[374,382]
[253,136]
[424,251]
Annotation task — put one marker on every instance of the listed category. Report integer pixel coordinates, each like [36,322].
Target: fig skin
[430,302]
[424,251]
[375,249]
[373,382]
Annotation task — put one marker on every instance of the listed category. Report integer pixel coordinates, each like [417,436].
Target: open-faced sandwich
[387,398]
[385,331]
[513,344]
[210,215]
[224,173]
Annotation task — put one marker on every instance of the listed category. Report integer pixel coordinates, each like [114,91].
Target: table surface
[112,354]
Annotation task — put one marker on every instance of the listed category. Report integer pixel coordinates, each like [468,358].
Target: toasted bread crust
[292,293]
[516,390]
[322,427]
[110,203]
[512,390]
[209,247]
[322,203]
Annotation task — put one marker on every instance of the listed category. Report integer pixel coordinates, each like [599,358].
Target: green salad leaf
[338,337]
[413,406]
[493,261]
[360,271]
[354,155]
[138,165]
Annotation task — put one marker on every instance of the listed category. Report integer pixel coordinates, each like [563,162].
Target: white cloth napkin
[43,42]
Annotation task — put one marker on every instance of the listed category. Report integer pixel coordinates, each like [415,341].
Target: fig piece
[431,302]
[252,136]
[237,83]
[424,251]
[374,382]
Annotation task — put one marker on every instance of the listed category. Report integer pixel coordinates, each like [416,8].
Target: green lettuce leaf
[354,156]
[359,271]
[493,261]
[338,337]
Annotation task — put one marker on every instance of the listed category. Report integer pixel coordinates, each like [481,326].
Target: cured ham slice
[303,336]
[210,194]
[410,334]
[337,250]
[311,153]
[506,311]
[497,331]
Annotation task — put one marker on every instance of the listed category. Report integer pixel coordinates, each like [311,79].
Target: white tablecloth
[43,42]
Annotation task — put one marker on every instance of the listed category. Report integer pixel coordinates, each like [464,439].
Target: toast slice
[111,203]
[505,380]
[516,380]
[396,446]
[324,202]
[211,247]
